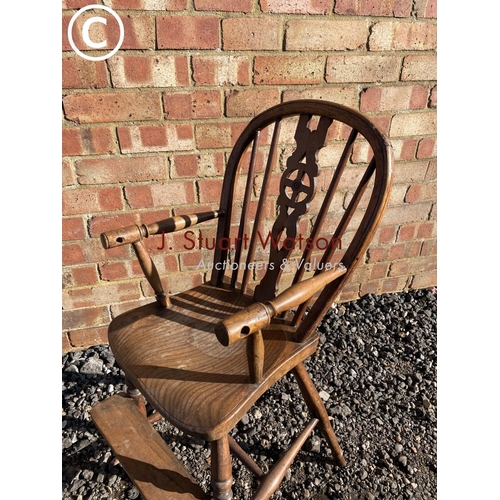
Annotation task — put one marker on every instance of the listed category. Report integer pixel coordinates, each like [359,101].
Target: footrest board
[144,455]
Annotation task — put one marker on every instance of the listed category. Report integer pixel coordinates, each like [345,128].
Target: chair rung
[144,455]
[274,477]
[243,457]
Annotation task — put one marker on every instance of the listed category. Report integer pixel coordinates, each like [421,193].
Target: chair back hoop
[298,174]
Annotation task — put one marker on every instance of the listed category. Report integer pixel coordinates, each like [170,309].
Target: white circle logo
[86,36]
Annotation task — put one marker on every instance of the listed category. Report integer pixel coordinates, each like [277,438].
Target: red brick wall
[150,128]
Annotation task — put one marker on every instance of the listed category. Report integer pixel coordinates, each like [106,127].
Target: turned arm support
[259,315]
[134,233]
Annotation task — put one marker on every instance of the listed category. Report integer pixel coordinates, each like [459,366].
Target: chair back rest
[305,188]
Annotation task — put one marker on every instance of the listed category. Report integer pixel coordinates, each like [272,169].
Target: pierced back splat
[297,189]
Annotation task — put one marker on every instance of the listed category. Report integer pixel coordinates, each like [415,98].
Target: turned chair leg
[318,410]
[138,398]
[221,469]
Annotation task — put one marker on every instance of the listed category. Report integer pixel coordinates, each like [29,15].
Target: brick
[296,6]
[348,96]
[349,292]
[370,287]
[79,73]
[187,32]
[210,190]
[426,8]
[72,254]
[173,193]
[361,274]
[407,232]
[114,271]
[66,345]
[383,122]
[379,271]
[87,141]
[362,152]
[138,31]
[73,229]
[84,275]
[321,34]
[148,138]
[250,102]
[198,165]
[132,71]
[88,200]
[224,5]
[378,254]
[221,70]
[77,298]
[89,337]
[392,285]
[427,230]
[394,98]
[138,196]
[410,172]
[183,281]
[68,176]
[431,173]
[421,192]
[429,247]
[217,135]
[87,317]
[121,169]
[398,194]
[91,251]
[390,8]
[74,4]
[193,105]
[115,292]
[423,264]
[424,280]
[404,214]
[146,4]
[419,67]
[288,70]
[386,235]
[403,35]
[113,106]
[404,149]
[433,100]
[407,124]
[251,33]
[427,148]
[357,68]
[397,252]
[399,268]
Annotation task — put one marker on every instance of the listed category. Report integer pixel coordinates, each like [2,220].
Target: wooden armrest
[257,316]
[132,234]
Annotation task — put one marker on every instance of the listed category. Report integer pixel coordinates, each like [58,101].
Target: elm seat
[185,373]
[303,171]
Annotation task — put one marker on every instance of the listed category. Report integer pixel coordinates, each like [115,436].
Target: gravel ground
[375,370]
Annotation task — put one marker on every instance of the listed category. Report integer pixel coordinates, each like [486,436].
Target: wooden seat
[175,360]
[201,358]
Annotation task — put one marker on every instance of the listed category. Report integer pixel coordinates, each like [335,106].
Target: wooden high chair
[202,358]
